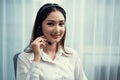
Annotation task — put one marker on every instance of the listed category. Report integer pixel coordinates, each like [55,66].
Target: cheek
[45,30]
[63,30]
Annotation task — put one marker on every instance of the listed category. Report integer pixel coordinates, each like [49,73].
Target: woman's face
[54,26]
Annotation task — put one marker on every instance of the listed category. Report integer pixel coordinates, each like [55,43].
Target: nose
[56,29]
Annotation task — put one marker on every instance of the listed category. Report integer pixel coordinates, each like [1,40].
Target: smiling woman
[53,27]
[46,58]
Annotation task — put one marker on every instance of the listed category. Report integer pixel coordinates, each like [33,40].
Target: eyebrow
[55,21]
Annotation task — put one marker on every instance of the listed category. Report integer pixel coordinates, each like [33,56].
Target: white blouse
[63,67]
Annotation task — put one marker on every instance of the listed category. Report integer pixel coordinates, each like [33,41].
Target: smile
[55,36]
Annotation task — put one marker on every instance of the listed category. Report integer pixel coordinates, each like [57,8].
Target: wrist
[37,58]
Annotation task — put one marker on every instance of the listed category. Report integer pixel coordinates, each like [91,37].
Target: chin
[56,41]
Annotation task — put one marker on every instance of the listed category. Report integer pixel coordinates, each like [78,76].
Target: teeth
[55,34]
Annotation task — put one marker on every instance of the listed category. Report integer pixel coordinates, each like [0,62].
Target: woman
[46,58]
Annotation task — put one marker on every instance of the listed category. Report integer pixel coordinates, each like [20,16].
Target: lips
[55,36]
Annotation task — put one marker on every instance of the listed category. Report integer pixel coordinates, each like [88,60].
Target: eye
[61,24]
[50,24]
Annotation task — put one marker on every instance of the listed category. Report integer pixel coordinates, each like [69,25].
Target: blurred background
[93,30]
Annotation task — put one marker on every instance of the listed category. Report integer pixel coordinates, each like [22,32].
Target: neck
[51,50]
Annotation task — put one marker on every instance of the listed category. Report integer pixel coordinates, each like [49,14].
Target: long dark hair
[42,14]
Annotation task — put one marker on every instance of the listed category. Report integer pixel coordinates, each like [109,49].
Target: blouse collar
[59,53]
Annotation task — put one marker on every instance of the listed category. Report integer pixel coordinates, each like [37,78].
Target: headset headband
[52,5]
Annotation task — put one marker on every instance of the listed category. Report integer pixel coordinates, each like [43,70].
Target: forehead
[55,15]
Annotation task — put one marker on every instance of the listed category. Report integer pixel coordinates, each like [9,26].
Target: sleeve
[27,71]
[79,72]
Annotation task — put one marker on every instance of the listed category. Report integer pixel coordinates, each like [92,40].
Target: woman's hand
[37,45]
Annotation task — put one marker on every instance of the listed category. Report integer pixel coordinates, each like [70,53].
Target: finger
[41,39]
[44,37]
[42,44]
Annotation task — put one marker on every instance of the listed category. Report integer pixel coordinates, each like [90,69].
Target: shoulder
[25,56]
[74,56]
[71,51]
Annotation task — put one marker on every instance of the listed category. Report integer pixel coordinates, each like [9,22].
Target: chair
[15,62]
